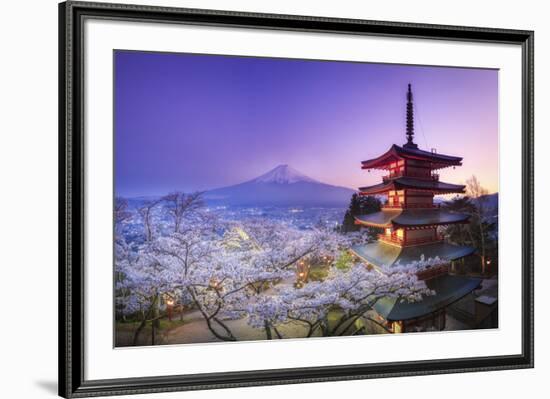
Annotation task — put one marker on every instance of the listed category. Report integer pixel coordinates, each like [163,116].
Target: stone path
[195,330]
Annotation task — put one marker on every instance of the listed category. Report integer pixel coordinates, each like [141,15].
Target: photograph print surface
[269,198]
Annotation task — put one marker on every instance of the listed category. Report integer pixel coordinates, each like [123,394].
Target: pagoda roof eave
[411,218]
[396,152]
[381,254]
[405,182]
[381,162]
[378,219]
[376,189]
[448,289]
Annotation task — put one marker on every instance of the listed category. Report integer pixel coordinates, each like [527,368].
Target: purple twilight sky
[195,122]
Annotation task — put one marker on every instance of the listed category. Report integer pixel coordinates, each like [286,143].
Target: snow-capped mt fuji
[281,186]
[283,174]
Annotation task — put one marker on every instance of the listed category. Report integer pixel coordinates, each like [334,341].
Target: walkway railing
[410,241]
[411,206]
[433,176]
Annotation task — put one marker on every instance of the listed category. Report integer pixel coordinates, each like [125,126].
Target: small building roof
[448,289]
[486,300]
[408,152]
[405,182]
[411,217]
[380,253]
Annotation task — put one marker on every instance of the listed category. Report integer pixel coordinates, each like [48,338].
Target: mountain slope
[282,186]
[283,174]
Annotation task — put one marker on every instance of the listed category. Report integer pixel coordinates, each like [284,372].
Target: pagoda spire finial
[410,120]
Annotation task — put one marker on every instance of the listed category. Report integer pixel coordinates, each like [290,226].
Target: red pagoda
[410,221]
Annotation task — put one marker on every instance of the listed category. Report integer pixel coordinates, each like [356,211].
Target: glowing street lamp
[214,284]
[170,308]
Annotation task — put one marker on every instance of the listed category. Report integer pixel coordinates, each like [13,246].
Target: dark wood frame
[71,197]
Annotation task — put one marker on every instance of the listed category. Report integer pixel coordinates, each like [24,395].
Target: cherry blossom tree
[147,213]
[179,204]
[348,293]
[248,269]
[475,190]
[222,273]
[141,281]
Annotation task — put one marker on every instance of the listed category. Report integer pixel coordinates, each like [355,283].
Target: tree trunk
[325,331]
[145,316]
[138,332]
[216,334]
[277,333]
[482,232]
[155,323]
[267,330]
[224,326]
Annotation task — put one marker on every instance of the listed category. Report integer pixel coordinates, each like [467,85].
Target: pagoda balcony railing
[433,272]
[409,241]
[411,206]
[390,239]
[433,176]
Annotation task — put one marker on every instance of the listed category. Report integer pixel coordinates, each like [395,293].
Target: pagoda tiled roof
[397,152]
[379,219]
[406,182]
[381,254]
[411,217]
[448,289]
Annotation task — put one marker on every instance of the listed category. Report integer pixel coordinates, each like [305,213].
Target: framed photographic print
[251,199]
